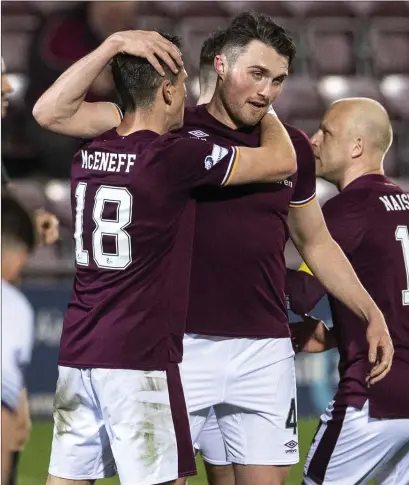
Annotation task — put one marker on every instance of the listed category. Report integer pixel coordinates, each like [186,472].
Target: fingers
[373,350]
[384,363]
[152,59]
[152,46]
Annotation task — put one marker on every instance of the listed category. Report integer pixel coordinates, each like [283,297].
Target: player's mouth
[258,104]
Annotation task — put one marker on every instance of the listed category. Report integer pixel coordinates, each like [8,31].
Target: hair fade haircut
[17,226]
[137,81]
[211,47]
[249,26]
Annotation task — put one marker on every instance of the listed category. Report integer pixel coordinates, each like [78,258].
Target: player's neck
[355,173]
[141,121]
[218,111]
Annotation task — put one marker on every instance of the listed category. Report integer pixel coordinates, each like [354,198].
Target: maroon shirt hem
[98,365]
[258,335]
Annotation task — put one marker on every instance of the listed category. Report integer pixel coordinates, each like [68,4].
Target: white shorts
[211,443]
[351,448]
[251,385]
[127,421]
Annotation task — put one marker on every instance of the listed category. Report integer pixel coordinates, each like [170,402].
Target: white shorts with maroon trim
[351,448]
[250,383]
[130,422]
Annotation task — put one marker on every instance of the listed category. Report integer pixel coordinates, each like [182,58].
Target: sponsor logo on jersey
[198,134]
[218,153]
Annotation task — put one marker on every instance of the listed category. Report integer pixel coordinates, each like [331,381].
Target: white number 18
[104,227]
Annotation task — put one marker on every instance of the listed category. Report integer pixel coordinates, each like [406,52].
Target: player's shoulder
[14,300]
[347,202]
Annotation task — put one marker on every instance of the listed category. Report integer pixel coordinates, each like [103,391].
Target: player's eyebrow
[281,77]
[263,69]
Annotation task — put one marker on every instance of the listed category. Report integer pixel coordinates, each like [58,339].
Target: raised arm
[273,161]
[62,108]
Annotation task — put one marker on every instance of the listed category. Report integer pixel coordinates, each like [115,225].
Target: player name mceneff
[108,162]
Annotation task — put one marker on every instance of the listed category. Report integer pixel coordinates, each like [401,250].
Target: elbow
[43,114]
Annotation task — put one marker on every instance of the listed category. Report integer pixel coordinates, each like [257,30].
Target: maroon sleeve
[303,291]
[192,162]
[304,192]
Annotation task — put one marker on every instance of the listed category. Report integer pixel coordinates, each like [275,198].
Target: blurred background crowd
[348,48]
[344,49]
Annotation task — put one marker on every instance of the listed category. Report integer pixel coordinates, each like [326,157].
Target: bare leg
[260,474]
[219,474]
[52,480]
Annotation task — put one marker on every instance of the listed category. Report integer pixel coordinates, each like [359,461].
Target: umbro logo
[198,133]
[292,445]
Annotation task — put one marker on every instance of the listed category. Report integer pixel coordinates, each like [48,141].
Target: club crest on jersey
[218,153]
[198,134]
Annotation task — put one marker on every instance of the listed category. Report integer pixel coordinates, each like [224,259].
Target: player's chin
[253,118]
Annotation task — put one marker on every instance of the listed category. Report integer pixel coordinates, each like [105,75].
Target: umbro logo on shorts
[291,444]
[198,133]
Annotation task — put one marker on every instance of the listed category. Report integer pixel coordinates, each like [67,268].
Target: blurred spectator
[61,39]
[17,330]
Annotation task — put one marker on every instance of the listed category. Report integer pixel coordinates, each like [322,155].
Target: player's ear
[358,147]
[220,65]
[167,91]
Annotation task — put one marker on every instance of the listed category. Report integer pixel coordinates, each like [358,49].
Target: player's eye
[257,75]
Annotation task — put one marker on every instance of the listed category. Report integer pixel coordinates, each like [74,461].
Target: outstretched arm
[62,108]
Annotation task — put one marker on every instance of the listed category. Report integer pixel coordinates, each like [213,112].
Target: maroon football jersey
[130,202]
[369,219]
[238,268]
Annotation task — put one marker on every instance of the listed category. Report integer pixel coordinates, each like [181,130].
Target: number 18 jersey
[134,223]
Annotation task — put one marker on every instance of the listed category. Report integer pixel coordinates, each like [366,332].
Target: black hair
[249,26]
[17,226]
[137,81]
[211,47]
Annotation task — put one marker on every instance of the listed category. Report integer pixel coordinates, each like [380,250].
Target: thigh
[211,442]
[396,472]
[203,368]
[351,447]
[80,447]
[262,429]
[147,423]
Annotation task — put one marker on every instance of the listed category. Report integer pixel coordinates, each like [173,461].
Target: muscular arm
[62,108]
[327,261]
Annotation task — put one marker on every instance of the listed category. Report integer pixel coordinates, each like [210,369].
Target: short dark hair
[17,226]
[212,46]
[248,26]
[137,81]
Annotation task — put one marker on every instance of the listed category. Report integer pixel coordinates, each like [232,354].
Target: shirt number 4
[104,227]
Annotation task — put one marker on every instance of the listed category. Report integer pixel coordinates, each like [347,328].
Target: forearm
[63,99]
[330,266]
[273,161]
[278,150]
[6,437]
